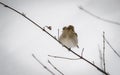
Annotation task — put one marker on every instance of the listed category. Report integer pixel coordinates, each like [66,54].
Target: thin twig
[55,67]
[58,33]
[43,65]
[112,48]
[100,56]
[100,18]
[55,39]
[63,57]
[104,62]
[82,52]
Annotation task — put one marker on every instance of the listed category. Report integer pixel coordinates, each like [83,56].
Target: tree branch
[43,65]
[100,18]
[100,56]
[55,38]
[112,48]
[82,52]
[104,63]
[55,67]
[63,57]
[58,33]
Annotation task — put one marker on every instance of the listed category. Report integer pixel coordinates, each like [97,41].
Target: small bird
[69,37]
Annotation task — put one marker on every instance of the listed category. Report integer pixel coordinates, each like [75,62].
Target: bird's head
[64,28]
[70,27]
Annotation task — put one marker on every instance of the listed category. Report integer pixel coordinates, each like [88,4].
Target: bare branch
[112,48]
[55,67]
[55,39]
[100,18]
[58,33]
[43,65]
[82,52]
[100,56]
[104,63]
[63,57]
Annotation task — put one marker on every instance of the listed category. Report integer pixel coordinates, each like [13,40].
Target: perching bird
[69,37]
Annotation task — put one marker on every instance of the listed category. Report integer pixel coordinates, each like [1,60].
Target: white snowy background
[19,38]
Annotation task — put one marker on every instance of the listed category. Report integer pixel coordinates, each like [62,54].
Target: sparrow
[69,37]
